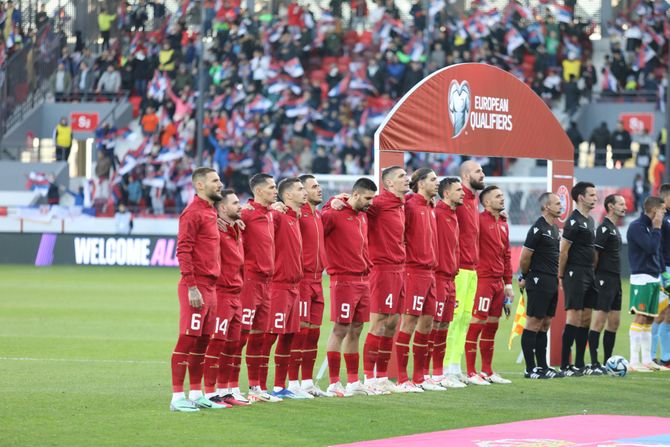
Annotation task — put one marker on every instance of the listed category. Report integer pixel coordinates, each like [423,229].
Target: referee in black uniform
[538,267]
[608,281]
[575,270]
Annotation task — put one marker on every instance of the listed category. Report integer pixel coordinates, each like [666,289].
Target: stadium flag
[519,321]
[341,87]
[562,13]
[294,68]
[492,17]
[259,104]
[571,47]
[644,55]
[513,40]
[523,11]
[535,33]
[609,82]
[652,36]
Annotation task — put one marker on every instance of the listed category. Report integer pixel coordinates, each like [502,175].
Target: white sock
[307,383]
[426,376]
[294,384]
[277,389]
[370,381]
[645,344]
[633,333]
[210,395]
[223,391]
[178,396]
[235,390]
[195,394]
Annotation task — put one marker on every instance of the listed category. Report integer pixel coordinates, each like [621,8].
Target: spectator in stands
[53,193]
[643,158]
[110,82]
[572,94]
[571,66]
[84,82]
[63,139]
[640,191]
[134,192]
[321,163]
[620,141]
[590,77]
[600,138]
[149,122]
[141,72]
[42,18]
[105,21]
[576,139]
[123,220]
[619,69]
[61,83]
[166,58]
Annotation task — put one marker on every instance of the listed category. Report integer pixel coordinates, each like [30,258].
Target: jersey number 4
[389,301]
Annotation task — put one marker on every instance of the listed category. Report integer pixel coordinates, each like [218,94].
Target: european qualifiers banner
[72,249]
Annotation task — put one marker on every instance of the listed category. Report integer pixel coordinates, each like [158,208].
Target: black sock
[608,344]
[528,346]
[568,338]
[580,345]
[541,349]
[594,342]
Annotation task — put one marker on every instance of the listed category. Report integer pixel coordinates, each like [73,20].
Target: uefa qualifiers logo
[459,105]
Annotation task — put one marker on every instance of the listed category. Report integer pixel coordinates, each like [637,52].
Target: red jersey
[494,245]
[468,224]
[259,241]
[232,260]
[447,240]
[387,229]
[288,248]
[311,229]
[420,233]
[198,243]
[346,236]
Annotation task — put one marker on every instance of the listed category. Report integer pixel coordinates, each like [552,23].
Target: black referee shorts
[580,289]
[609,292]
[542,293]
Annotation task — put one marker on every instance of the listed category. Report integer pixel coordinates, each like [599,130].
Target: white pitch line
[31,359]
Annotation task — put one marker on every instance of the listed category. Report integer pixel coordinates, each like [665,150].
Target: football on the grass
[617,366]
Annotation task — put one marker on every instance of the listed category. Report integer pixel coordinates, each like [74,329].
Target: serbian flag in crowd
[294,68]
[562,13]
[645,55]
[652,36]
[609,82]
[523,11]
[259,104]
[535,33]
[341,87]
[513,40]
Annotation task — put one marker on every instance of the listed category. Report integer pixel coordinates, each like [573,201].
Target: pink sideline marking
[581,431]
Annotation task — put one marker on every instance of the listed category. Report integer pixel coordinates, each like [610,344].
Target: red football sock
[385,349]
[268,341]
[334,360]
[309,352]
[429,352]
[282,359]
[179,362]
[212,361]
[420,351]
[253,356]
[226,364]
[402,355]
[471,346]
[297,349]
[234,374]
[370,355]
[486,346]
[196,363]
[439,350]
[351,360]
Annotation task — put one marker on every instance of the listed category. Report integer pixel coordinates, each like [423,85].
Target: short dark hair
[664,191]
[446,183]
[610,200]
[485,192]
[652,202]
[303,178]
[224,196]
[258,180]
[580,189]
[364,184]
[386,172]
[285,185]
[417,176]
[200,173]
[544,199]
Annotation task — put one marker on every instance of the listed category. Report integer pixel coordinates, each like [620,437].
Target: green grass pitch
[84,361]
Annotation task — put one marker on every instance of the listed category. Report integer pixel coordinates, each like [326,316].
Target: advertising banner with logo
[637,122]
[84,122]
[104,250]
[480,110]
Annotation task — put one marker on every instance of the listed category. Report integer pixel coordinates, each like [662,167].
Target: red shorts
[349,299]
[228,324]
[419,293]
[284,309]
[446,299]
[194,321]
[255,301]
[387,289]
[489,298]
[311,301]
